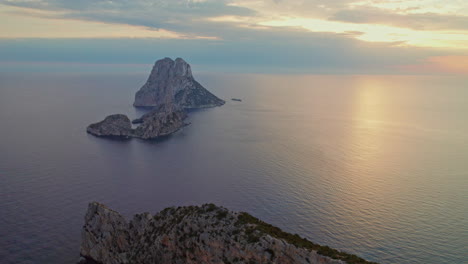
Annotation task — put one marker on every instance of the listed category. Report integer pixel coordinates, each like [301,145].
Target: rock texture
[205,234]
[112,126]
[157,123]
[172,82]
[105,236]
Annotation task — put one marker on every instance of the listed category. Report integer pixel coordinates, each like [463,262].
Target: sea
[374,165]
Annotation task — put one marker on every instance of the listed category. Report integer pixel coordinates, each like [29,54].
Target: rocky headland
[169,91]
[195,234]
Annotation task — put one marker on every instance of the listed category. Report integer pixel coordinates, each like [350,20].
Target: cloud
[154,13]
[184,17]
[281,51]
[297,8]
[312,36]
[419,21]
[194,7]
[45,24]
[232,19]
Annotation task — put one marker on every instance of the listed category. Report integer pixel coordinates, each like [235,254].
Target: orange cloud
[440,64]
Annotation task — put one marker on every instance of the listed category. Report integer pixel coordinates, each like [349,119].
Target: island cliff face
[172,81]
[195,234]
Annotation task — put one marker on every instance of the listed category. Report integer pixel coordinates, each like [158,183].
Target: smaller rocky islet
[117,125]
[153,125]
[169,91]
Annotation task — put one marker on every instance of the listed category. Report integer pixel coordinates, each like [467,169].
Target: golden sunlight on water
[366,143]
[367,117]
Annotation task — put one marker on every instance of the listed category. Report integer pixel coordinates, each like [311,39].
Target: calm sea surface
[373,165]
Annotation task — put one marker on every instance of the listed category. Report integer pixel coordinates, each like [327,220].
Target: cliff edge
[195,234]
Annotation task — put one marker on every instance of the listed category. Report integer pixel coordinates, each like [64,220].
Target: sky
[258,36]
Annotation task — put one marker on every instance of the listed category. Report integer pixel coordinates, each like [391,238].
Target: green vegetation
[252,227]
[252,235]
[210,207]
[265,228]
[221,214]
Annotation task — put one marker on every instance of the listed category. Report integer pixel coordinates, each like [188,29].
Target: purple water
[374,165]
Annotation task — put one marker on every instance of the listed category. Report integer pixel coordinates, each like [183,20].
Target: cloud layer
[333,35]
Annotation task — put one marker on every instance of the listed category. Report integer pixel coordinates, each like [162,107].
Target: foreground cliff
[172,81]
[193,234]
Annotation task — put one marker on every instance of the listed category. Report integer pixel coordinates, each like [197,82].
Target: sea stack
[195,234]
[172,81]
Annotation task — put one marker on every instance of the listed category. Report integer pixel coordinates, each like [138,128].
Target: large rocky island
[169,91]
[195,234]
[173,81]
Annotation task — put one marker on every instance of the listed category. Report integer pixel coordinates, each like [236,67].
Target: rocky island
[169,91]
[195,234]
[173,81]
[155,124]
[117,125]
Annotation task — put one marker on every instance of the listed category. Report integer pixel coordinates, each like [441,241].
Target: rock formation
[193,234]
[160,122]
[172,81]
[112,126]
[169,90]
[105,236]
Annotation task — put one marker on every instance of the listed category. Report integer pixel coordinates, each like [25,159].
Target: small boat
[236,99]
